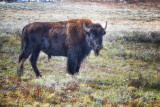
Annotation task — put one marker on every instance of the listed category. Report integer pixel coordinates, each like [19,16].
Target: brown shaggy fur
[75,30]
[55,24]
[58,24]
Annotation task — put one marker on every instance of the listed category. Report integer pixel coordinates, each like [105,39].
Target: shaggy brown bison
[73,39]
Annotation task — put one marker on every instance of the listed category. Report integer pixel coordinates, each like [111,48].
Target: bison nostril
[98,47]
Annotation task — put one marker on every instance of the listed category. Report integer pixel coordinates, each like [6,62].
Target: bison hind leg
[20,68]
[22,59]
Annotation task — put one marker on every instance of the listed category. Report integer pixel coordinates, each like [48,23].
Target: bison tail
[22,41]
[22,45]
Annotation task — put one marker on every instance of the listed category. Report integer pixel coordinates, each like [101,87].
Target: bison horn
[85,28]
[105,26]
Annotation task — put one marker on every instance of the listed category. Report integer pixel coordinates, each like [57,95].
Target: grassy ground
[127,72]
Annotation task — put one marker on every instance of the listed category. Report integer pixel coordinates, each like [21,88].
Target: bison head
[95,34]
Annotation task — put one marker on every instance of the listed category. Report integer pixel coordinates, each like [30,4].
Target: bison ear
[105,26]
[85,27]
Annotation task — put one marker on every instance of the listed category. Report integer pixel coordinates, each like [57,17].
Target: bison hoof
[39,76]
[19,72]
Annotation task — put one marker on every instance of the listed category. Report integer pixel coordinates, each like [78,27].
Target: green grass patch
[125,74]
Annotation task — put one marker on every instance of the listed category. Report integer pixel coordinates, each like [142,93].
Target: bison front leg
[78,67]
[33,61]
[72,63]
[80,59]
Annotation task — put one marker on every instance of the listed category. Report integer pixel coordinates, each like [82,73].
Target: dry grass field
[126,74]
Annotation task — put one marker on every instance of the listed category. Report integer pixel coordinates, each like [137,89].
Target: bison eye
[104,33]
[92,35]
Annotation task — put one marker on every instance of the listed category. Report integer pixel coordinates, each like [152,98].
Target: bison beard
[73,39]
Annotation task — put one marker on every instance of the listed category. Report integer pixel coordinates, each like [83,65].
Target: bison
[74,39]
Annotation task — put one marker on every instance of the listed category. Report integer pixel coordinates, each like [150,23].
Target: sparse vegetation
[126,73]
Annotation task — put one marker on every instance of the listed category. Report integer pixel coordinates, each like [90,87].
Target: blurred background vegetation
[128,1]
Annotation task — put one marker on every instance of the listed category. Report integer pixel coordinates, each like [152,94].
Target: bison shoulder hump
[75,26]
